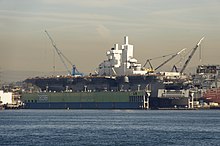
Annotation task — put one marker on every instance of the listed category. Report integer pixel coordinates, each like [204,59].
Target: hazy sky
[85,29]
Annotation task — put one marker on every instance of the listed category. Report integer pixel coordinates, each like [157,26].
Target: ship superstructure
[121,62]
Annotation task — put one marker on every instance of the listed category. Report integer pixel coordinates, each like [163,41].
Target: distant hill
[14,76]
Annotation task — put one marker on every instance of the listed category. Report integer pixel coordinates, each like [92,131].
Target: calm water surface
[109,127]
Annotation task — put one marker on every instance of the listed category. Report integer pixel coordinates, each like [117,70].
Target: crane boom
[60,54]
[148,60]
[190,56]
[170,58]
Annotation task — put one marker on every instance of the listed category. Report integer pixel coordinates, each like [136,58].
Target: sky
[85,29]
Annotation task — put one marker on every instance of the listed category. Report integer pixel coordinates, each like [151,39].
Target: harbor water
[110,127]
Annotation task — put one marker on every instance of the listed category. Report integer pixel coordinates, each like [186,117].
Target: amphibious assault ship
[120,83]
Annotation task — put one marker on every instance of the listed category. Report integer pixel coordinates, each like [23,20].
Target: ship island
[122,83]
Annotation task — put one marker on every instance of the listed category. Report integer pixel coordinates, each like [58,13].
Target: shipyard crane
[174,55]
[148,60]
[63,58]
[162,64]
[191,54]
[174,69]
